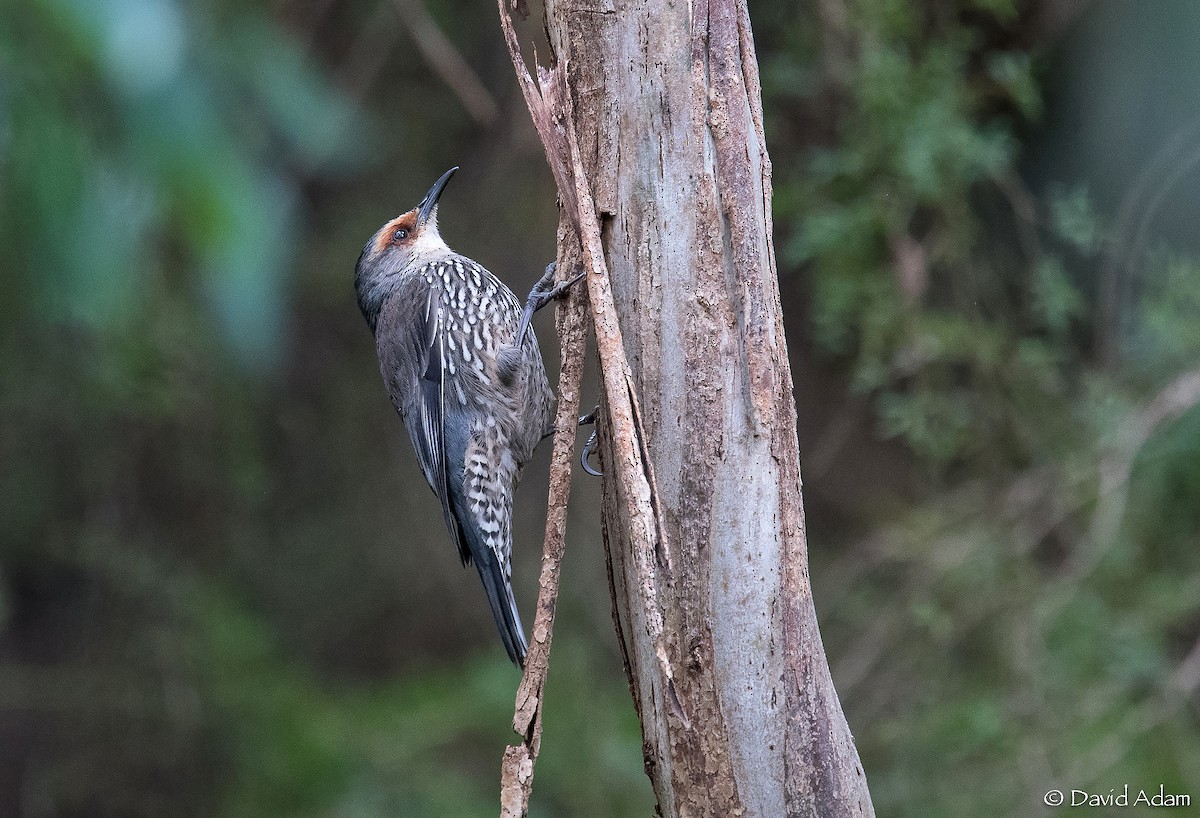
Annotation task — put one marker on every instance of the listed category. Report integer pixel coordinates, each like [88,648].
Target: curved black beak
[429,203]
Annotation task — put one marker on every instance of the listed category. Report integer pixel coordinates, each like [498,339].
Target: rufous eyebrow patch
[384,237]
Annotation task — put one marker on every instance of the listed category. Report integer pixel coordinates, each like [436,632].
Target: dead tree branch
[516,772]
[446,61]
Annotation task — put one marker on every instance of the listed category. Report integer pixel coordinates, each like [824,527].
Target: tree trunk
[725,661]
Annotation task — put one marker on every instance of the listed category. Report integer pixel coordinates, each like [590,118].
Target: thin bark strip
[546,102]
[516,772]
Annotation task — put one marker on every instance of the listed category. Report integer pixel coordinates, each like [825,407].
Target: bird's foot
[542,294]
[589,449]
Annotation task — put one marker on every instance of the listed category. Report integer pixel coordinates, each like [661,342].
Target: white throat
[429,242]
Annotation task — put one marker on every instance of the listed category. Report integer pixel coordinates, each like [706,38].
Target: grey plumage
[474,402]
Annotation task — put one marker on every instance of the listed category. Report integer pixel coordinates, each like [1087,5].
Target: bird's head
[402,245]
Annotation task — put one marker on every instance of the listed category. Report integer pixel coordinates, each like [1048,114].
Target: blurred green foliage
[143,124]
[221,594]
[1032,621]
[209,606]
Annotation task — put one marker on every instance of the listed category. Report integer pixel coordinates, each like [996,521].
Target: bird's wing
[429,432]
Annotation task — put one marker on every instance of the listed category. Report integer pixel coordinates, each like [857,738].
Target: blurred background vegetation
[224,589]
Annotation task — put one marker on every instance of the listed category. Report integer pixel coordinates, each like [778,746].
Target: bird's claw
[542,294]
[588,449]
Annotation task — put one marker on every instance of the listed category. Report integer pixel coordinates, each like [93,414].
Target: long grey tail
[480,547]
[497,586]
[504,607]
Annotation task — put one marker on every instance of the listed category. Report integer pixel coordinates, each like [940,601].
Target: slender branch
[1118,257]
[516,771]
[1116,468]
[446,61]
[517,767]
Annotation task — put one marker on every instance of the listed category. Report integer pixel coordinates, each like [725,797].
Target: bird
[464,371]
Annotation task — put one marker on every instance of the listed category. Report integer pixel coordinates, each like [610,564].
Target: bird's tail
[504,608]
[482,507]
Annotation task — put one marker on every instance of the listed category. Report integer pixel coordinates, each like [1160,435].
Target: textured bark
[516,770]
[658,149]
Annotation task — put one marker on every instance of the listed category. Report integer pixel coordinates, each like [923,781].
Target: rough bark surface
[667,172]
[516,770]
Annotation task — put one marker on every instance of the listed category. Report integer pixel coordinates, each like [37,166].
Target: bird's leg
[587,420]
[542,294]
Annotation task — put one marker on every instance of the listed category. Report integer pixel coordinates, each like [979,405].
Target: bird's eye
[400,235]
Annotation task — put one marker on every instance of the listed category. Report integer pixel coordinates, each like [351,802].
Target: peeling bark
[658,149]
